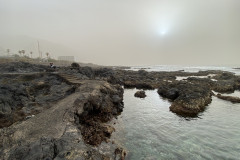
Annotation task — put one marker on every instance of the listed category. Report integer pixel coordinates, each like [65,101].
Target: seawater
[149,131]
[185,68]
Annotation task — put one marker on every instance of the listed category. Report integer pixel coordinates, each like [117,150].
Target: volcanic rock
[171,93]
[75,65]
[100,107]
[62,131]
[24,95]
[140,94]
[22,67]
[188,99]
[229,98]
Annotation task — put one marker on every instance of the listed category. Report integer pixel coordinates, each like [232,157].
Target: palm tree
[23,52]
[31,53]
[8,51]
[20,52]
[47,54]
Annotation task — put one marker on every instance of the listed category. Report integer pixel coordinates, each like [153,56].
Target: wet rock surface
[140,94]
[170,93]
[99,108]
[229,98]
[120,154]
[188,99]
[189,96]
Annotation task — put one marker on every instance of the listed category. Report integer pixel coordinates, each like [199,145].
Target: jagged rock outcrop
[227,82]
[120,154]
[170,93]
[224,86]
[75,65]
[188,99]
[151,80]
[100,107]
[189,96]
[73,107]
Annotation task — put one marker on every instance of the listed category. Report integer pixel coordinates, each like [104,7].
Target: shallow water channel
[149,131]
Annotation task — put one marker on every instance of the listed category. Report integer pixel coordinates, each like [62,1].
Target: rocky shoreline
[188,96]
[64,113]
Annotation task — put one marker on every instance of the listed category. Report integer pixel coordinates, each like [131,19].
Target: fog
[126,32]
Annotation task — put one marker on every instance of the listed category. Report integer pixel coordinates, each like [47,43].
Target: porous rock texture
[29,94]
[62,131]
[187,99]
[48,116]
[229,98]
[140,94]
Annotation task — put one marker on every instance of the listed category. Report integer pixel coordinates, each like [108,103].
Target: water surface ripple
[149,131]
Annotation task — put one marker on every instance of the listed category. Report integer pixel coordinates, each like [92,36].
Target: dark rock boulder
[142,72]
[103,72]
[171,93]
[120,153]
[88,71]
[191,103]
[100,107]
[75,65]
[224,86]
[114,80]
[140,94]
[229,98]
[138,85]
[188,98]
[225,76]
[144,85]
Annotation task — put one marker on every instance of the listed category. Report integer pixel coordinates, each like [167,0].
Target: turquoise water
[149,131]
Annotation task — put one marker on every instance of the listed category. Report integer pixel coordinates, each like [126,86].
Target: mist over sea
[185,68]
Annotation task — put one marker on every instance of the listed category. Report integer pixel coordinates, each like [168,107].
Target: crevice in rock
[98,109]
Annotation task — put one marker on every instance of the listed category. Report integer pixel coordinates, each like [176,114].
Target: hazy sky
[131,32]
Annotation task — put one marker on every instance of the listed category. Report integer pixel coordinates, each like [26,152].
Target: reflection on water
[148,130]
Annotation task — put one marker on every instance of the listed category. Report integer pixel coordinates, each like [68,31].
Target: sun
[163,32]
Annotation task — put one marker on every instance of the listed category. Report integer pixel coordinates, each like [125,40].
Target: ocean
[185,68]
[149,131]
